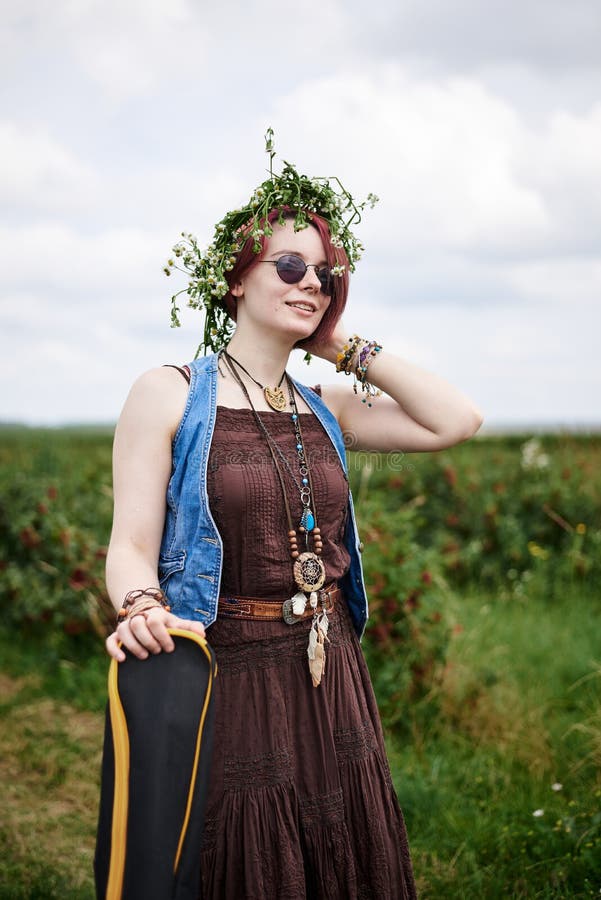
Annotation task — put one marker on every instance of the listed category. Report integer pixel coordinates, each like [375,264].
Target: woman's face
[295,310]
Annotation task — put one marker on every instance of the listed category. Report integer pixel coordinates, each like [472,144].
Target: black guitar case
[155,773]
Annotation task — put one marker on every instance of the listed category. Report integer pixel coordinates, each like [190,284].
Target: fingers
[147,633]
[186,625]
[112,647]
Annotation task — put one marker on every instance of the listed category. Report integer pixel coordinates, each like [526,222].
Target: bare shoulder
[334,396]
[157,399]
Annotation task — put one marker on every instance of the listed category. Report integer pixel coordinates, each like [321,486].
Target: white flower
[538,813]
[532,455]
[556,786]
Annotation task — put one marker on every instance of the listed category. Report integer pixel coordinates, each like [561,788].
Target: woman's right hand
[147,633]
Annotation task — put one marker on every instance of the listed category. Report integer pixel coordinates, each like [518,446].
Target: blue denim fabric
[191,553]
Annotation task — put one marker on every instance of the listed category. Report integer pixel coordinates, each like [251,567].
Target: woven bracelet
[134,602]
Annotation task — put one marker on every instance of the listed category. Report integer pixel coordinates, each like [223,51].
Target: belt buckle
[324,597]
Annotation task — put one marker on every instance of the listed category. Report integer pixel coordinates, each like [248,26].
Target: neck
[264,359]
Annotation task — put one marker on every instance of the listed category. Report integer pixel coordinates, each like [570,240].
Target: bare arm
[141,471]
[418,411]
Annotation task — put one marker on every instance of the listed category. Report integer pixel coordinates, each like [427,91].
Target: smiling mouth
[306,307]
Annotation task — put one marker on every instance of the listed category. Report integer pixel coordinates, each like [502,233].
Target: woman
[231,494]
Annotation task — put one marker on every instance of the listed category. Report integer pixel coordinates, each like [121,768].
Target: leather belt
[271,610]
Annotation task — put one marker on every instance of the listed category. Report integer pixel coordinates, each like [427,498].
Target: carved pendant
[309,572]
[275,398]
[293,608]
[299,602]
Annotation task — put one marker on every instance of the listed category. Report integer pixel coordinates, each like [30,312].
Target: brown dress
[301,803]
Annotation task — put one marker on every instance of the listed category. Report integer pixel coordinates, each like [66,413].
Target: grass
[519,712]
[518,709]
[522,682]
[50,758]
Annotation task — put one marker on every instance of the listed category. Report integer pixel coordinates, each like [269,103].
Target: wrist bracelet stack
[354,359]
[139,600]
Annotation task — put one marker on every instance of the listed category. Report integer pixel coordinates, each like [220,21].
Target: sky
[478,125]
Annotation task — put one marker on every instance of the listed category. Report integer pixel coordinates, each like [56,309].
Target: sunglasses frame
[326,283]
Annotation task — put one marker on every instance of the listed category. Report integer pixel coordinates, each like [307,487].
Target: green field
[484,572]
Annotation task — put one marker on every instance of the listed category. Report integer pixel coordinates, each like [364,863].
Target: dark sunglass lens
[291,269]
[325,279]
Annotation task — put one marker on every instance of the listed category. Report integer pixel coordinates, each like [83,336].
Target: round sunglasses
[293,269]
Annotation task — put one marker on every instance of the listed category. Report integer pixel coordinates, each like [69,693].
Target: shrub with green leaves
[408,630]
[55,506]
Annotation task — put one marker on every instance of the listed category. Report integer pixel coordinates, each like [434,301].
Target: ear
[236,290]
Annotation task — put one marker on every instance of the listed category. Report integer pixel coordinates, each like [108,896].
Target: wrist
[354,359]
[141,600]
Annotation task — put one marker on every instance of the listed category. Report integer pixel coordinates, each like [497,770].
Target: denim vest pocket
[170,563]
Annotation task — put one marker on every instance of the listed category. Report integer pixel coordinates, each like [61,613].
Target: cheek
[327,301]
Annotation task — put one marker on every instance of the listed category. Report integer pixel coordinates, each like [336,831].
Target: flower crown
[206,269]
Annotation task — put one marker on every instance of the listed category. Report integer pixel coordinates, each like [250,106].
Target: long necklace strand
[308,569]
[305,486]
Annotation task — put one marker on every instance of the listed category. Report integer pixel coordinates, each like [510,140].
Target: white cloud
[77,267]
[546,33]
[126,47]
[458,169]
[130,121]
[38,173]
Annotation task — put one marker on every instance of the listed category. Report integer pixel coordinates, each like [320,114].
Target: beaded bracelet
[134,602]
[345,357]
[354,359]
[367,354]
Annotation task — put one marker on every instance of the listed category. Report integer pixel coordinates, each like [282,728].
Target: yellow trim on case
[212,672]
[114,887]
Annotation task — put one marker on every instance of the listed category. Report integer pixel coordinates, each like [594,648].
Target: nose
[310,279]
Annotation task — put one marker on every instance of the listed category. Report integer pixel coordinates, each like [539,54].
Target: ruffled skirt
[301,802]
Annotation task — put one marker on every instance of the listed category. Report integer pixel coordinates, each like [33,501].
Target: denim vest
[191,553]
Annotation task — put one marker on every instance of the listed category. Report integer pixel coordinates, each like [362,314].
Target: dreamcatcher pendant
[309,572]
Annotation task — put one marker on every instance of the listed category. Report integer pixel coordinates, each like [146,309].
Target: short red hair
[247,259]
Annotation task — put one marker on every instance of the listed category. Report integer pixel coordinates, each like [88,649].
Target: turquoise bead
[310,524]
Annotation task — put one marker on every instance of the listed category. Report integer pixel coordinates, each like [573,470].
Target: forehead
[307,242]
